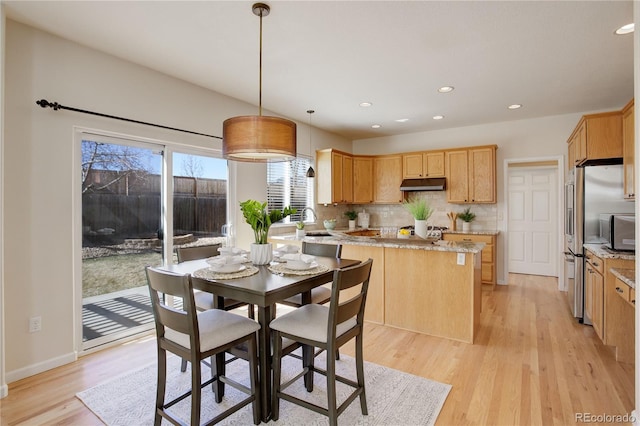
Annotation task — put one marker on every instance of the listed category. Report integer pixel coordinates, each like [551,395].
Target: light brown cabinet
[335,177]
[594,293]
[488,255]
[471,175]
[387,178]
[596,137]
[628,144]
[362,180]
[374,312]
[423,164]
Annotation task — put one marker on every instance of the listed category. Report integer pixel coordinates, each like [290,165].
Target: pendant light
[310,172]
[259,138]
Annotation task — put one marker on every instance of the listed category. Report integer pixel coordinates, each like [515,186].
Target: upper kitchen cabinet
[628,144]
[362,180]
[596,137]
[334,177]
[387,178]
[471,175]
[423,164]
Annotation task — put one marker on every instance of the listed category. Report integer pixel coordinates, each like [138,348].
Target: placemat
[281,268]
[209,274]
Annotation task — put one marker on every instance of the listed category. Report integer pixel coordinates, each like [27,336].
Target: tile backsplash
[397,215]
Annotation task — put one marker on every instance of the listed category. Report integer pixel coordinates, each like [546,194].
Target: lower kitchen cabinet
[594,293]
[488,253]
[374,311]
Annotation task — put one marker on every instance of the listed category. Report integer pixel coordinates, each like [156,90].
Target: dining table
[267,286]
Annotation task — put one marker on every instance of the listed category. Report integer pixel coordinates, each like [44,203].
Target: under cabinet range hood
[424,184]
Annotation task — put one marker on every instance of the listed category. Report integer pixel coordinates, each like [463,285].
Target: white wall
[38,168]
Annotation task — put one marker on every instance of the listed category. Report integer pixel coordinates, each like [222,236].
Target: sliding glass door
[121,205]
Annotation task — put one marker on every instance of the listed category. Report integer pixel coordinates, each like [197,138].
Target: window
[288,185]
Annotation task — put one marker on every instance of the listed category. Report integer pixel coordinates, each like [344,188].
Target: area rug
[393,397]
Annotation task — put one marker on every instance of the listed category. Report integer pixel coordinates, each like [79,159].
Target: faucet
[315,216]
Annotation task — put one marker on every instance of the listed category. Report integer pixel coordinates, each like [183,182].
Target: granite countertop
[413,242]
[449,231]
[606,253]
[627,276]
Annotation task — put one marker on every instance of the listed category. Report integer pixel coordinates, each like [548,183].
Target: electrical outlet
[35,324]
[461,257]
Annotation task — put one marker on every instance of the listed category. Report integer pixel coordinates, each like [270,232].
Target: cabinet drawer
[596,262]
[487,253]
[487,239]
[487,272]
[622,290]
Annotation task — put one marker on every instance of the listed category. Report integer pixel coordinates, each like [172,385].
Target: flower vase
[466,226]
[420,228]
[352,225]
[261,254]
[300,233]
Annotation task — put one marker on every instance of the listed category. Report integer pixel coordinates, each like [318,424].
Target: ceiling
[553,57]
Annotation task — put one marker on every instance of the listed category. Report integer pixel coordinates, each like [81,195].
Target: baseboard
[40,367]
[4,391]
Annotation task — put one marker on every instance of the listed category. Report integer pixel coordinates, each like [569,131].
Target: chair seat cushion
[204,301]
[217,328]
[310,322]
[319,296]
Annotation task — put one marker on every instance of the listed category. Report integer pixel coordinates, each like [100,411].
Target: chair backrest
[326,250]
[166,316]
[198,252]
[344,279]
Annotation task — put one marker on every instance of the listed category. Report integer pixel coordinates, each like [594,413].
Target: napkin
[289,248]
[306,258]
[231,251]
[226,260]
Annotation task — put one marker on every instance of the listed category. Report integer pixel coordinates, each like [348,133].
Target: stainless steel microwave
[619,230]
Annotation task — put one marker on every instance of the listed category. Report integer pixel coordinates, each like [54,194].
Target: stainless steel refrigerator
[589,191]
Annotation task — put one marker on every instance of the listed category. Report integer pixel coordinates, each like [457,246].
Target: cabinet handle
[595,264]
[467,239]
[618,289]
[633,301]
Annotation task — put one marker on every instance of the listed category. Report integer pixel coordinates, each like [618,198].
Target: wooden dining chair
[319,295]
[196,336]
[328,328]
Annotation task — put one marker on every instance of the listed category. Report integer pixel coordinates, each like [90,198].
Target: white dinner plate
[228,269]
[300,266]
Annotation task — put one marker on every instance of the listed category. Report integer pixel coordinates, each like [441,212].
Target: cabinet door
[412,166]
[588,290]
[387,172]
[581,143]
[347,179]
[362,180]
[336,177]
[482,178]
[628,157]
[433,164]
[597,317]
[458,177]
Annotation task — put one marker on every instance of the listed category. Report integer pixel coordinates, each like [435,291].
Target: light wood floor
[532,364]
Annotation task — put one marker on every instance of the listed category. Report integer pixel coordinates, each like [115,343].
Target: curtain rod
[56,106]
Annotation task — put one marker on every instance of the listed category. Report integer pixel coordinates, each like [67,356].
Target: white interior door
[532,220]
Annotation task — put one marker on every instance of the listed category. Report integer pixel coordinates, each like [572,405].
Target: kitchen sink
[318,234]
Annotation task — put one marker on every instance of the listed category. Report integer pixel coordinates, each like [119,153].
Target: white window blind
[288,185]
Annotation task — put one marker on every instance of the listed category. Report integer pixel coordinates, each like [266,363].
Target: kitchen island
[430,287]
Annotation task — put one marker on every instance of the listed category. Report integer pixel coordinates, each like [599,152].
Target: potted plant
[352,215]
[300,232]
[421,212]
[256,215]
[467,217]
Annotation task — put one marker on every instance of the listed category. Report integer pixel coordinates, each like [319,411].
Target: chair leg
[183,365]
[360,373]
[337,354]
[196,398]
[277,369]
[161,385]
[308,357]
[332,403]
[218,369]
[253,376]
[252,313]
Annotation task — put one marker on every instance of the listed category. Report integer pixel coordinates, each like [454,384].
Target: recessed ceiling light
[515,106]
[438,117]
[376,126]
[402,120]
[445,89]
[625,29]
[365,104]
